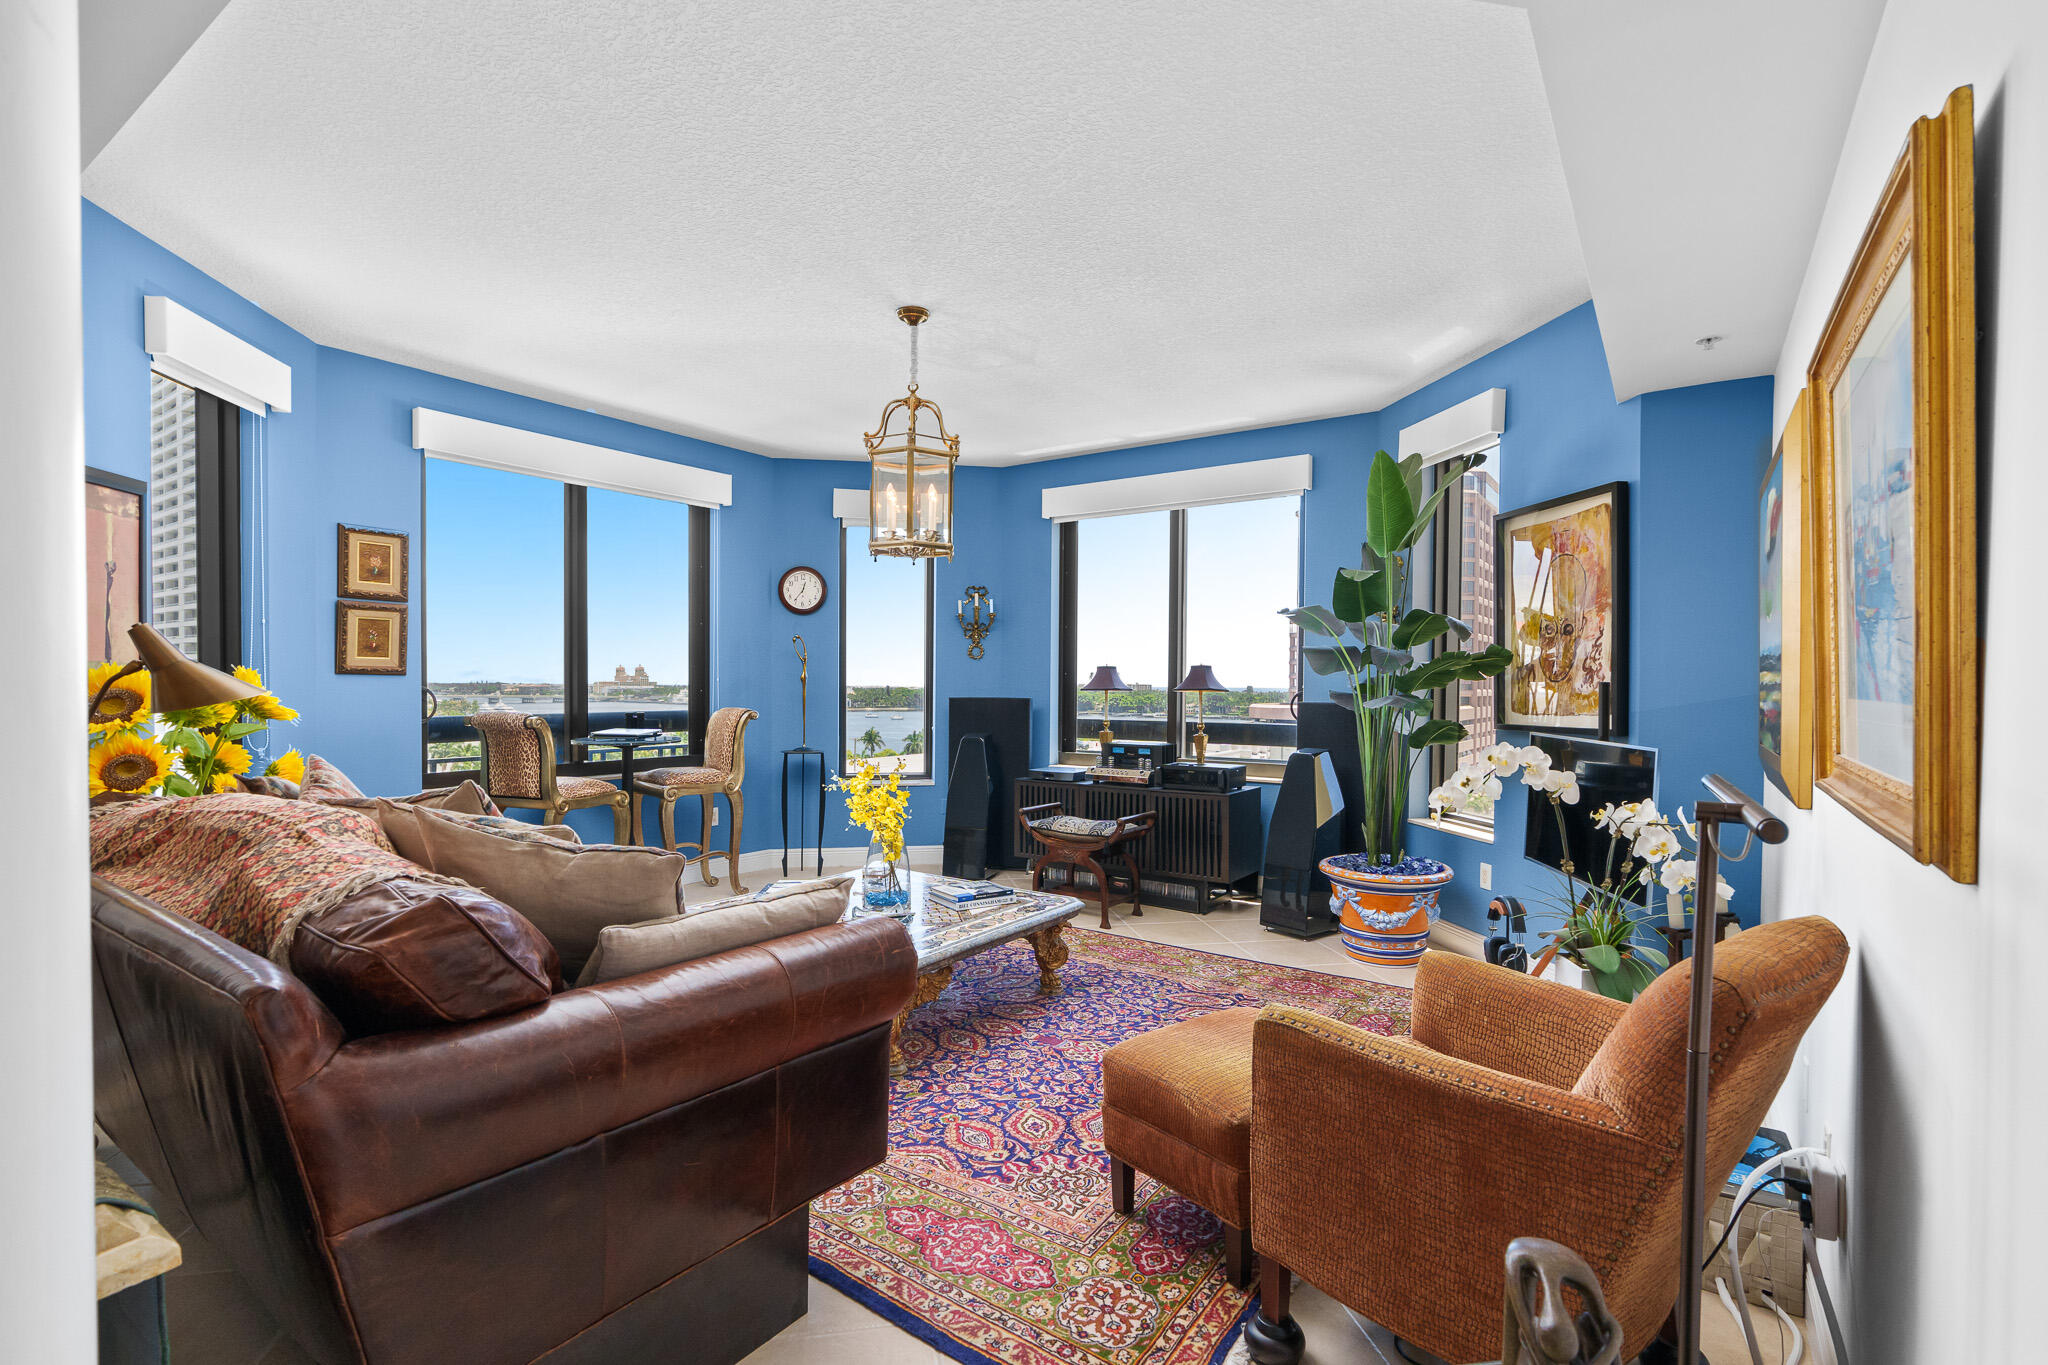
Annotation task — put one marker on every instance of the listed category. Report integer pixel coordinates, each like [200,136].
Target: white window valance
[1470,427]
[198,354]
[850,505]
[1244,482]
[445,436]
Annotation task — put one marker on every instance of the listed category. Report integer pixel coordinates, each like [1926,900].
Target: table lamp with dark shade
[1201,680]
[1105,681]
[176,682]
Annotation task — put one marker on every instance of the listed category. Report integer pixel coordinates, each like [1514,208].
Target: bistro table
[944,935]
[626,741]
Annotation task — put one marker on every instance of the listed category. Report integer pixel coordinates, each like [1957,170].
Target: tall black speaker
[1004,723]
[1326,725]
[970,805]
[1308,816]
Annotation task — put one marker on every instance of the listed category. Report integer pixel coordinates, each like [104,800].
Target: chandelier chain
[913,360]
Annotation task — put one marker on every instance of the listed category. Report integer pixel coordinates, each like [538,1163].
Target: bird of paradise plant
[136,751]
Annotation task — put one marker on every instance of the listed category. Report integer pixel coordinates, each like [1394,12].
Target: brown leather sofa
[621,1173]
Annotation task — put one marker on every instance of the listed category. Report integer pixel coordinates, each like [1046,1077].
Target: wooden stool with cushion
[519,770]
[1177,1105]
[1076,841]
[724,769]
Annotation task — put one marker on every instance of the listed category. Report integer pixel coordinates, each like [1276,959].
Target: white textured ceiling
[1132,221]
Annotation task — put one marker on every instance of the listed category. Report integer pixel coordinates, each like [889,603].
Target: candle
[931,507]
[1674,909]
[891,492]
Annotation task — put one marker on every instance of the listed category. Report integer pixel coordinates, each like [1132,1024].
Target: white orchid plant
[1598,918]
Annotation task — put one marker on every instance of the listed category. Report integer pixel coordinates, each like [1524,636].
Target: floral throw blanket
[250,868]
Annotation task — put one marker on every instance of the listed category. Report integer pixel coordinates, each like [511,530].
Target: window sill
[1465,829]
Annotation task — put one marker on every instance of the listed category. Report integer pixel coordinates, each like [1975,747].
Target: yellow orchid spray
[877,805]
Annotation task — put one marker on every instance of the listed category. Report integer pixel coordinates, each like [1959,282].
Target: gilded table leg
[1049,946]
[929,987]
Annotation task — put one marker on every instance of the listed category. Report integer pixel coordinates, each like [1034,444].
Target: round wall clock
[802,590]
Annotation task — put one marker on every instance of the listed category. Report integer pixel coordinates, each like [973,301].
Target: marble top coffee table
[944,935]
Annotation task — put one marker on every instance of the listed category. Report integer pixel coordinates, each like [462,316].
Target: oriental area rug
[988,1232]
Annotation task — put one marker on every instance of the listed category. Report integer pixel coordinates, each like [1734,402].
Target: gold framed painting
[1893,390]
[372,564]
[1784,617]
[1561,607]
[369,637]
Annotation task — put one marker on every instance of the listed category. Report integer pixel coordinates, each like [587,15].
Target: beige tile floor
[214,1321]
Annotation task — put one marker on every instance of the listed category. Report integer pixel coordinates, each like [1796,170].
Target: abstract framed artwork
[372,564]
[1562,608]
[1893,389]
[116,563]
[1785,619]
[369,637]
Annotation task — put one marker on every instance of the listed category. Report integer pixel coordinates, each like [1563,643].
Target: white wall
[46,1242]
[1926,1066]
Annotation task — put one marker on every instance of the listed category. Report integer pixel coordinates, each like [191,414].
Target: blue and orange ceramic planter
[1385,909]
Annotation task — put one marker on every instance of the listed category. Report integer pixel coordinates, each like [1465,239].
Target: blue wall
[344,454]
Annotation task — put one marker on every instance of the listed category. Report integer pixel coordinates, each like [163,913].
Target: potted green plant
[1395,659]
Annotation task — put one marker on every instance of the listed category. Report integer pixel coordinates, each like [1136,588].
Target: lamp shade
[1200,678]
[1105,680]
[181,684]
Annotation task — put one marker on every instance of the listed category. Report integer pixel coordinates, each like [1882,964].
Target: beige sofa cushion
[568,890]
[717,927]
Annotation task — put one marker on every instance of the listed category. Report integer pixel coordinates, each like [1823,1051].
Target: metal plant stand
[803,756]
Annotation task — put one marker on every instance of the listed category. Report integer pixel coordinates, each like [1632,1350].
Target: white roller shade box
[1470,427]
[198,354]
[1244,482]
[445,436]
[850,505]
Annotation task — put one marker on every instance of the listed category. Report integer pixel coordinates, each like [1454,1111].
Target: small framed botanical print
[369,637]
[1892,386]
[372,564]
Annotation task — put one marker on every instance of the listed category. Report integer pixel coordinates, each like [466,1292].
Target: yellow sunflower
[226,782]
[126,704]
[128,762]
[267,707]
[244,673]
[233,760]
[289,765]
[203,717]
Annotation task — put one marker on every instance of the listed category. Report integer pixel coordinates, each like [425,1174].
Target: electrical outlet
[1486,876]
[1830,1198]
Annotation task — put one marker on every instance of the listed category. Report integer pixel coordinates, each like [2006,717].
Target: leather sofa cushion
[411,954]
[736,922]
[569,891]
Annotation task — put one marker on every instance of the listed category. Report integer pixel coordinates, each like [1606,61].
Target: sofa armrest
[1393,1177]
[1509,1021]
[396,1119]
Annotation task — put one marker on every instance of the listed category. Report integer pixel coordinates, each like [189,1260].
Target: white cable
[1742,1196]
[1798,1352]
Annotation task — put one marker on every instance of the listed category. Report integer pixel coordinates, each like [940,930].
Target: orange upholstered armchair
[1393,1172]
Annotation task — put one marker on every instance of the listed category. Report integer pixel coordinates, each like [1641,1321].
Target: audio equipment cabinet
[1202,844]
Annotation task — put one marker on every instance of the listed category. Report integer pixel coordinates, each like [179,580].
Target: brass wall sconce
[977,626]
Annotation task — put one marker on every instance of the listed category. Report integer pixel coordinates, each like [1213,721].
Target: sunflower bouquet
[134,750]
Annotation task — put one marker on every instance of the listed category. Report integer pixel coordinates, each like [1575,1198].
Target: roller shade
[850,505]
[198,354]
[445,436]
[1470,427]
[1276,478]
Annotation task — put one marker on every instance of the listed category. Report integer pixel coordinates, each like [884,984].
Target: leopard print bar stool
[723,770]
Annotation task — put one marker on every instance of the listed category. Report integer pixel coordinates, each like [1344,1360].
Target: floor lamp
[1731,805]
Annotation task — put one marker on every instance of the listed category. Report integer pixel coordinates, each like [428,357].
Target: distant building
[174,513]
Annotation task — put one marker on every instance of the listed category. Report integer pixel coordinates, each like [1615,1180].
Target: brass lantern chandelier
[910,482]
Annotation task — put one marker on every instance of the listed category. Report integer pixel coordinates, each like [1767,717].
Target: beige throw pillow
[568,890]
[782,909]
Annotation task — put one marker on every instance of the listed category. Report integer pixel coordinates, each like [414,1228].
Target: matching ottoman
[1177,1105]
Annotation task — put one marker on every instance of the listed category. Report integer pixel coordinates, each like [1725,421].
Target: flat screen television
[1609,774]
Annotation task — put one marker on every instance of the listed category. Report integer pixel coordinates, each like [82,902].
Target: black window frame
[930,773]
[576,643]
[217,499]
[1179,714]
[1456,554]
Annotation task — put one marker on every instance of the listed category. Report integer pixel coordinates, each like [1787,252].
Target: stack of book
[948,895]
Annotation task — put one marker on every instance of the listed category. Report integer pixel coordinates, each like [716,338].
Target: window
[885,657]
[530,583]
[1152,593]
[1465,584]
[195,555]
